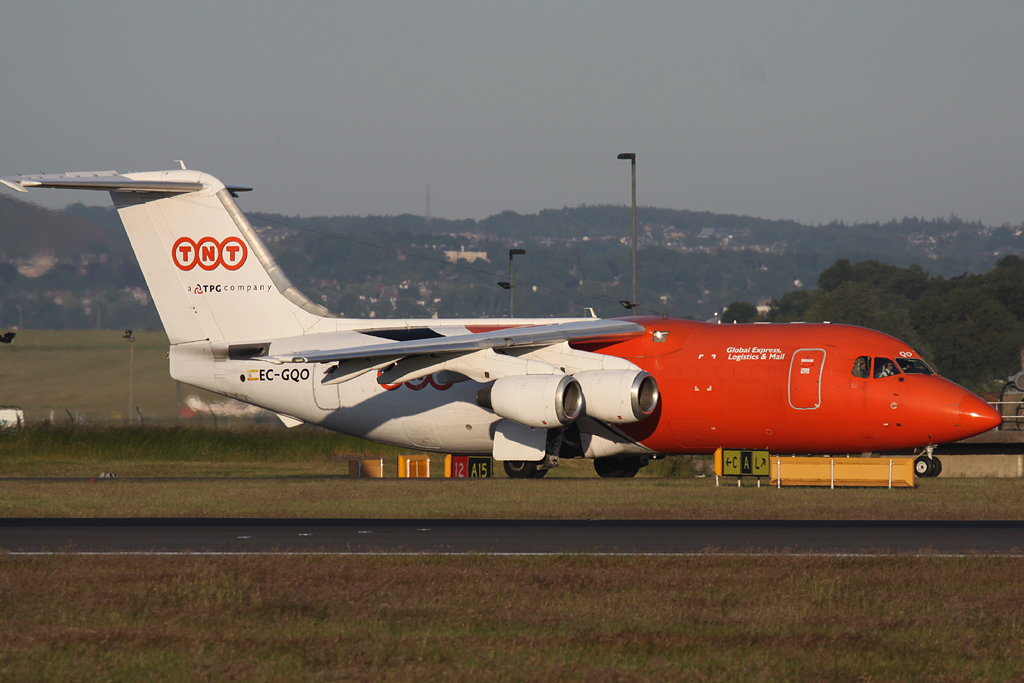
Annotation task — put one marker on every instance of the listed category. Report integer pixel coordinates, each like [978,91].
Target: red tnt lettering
[233,253]
[209,253]
[184,253]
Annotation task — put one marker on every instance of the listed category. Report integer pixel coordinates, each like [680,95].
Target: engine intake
[541,401]
[619,396]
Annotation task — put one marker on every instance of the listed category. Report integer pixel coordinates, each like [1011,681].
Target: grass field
[85,373]
[63,446]
[591,498]
[331,618]
[154,450]
[478,618]
[264,472]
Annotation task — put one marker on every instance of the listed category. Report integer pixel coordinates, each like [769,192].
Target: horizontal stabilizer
[109,181]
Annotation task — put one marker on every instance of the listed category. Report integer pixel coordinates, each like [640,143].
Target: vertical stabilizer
[210,275]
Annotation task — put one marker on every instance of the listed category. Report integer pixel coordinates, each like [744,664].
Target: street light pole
[511,282]
[131,371]
[632,159]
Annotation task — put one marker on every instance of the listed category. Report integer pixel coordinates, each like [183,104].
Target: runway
[528,537]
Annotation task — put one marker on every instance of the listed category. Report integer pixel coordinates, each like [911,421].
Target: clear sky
[814,111]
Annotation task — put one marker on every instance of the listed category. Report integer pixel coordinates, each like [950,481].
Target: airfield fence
[1011,406]
[75,416]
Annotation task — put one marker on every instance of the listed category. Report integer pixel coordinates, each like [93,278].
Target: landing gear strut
[521,469]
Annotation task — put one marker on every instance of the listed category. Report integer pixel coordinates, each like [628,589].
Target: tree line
[970,328]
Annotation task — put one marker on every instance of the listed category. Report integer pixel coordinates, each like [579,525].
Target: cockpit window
[884,367]
[914,366]
[862,367]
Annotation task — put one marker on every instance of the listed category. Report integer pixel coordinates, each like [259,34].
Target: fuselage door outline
[805,370]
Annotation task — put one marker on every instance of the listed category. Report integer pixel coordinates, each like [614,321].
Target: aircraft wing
[539,335]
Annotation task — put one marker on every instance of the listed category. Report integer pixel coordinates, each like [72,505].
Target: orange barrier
[891,472]
[366,469]
[414,466]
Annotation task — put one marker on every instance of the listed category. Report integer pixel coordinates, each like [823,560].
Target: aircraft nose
[976,416]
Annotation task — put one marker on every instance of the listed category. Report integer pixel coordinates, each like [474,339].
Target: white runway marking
[709,554]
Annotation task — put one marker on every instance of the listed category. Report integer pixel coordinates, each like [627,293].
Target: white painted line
[709,554]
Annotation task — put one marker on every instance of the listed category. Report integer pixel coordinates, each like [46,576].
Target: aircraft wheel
[937,464]
[616,467]
[923,466]
[520,469]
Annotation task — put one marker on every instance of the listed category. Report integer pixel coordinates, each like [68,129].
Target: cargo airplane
[528,391]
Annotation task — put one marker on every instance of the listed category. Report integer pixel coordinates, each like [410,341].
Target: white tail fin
[210,275]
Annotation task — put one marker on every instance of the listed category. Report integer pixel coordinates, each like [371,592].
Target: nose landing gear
[927,465]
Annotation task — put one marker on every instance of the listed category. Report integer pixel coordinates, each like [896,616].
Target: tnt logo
[208,253]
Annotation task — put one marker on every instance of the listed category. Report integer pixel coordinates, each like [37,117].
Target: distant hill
[691,264]
[64,270]
[27,230]
[74,268]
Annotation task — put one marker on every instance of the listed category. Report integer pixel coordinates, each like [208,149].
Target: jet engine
[619,396]
[541,401]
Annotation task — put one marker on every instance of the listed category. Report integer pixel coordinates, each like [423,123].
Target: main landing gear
[556,439]
[620,466]
[520,469]
[927,465]
[567,443]
[616,467]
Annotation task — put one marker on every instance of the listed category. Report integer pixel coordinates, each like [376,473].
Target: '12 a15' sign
[208,253]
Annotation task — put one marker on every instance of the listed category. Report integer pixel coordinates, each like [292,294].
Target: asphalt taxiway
[177,535]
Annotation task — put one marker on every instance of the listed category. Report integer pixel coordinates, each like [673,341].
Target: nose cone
[976,416]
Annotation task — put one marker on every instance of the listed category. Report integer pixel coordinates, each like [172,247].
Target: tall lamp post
[510,285]
[632,159]
[131,371]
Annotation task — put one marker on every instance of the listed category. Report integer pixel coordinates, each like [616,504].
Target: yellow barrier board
[891,472]
[414,466]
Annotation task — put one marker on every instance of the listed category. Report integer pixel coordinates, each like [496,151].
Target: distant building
[464,255]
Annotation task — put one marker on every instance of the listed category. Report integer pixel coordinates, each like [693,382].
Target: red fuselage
[793,388]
